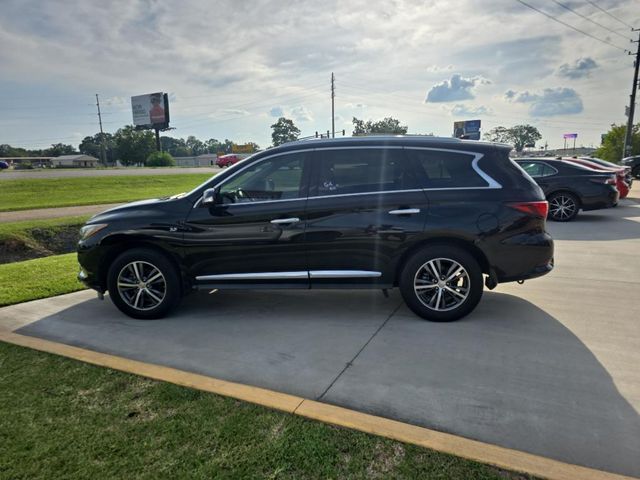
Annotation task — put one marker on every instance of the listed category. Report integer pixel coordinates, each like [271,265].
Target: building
[206,160]
[74,161]
[30,162]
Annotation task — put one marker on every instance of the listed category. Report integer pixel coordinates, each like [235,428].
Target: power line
[571,26]
[610,14]
[590,20]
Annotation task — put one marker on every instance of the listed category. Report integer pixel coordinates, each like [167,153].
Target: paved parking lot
[550,367]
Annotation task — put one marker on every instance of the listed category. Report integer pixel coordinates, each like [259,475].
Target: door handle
[404,211]
[279,221]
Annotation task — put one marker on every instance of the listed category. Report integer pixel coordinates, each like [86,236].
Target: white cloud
[301,114]
[460,110]
[455,89]
[276,112]
[578,69]
[549,102]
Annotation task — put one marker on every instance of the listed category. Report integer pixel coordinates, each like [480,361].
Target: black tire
[636,172]
[414,276]
[148,263]
[563,206]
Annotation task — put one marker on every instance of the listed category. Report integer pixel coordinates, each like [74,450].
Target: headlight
[89,230]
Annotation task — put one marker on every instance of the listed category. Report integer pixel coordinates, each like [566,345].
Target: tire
[133,269]
[417,276]
[563,207]
[636,172]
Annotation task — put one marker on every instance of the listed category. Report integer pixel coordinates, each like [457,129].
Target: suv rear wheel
[143,284]
[441,283]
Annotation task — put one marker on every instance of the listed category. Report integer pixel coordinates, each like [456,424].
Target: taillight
[537,209]
[604,180]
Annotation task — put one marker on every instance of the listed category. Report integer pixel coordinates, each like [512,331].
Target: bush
[23,166]
[160,159]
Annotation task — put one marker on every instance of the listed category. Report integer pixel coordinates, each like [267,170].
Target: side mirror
[209,197]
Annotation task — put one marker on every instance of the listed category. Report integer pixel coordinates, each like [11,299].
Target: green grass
[23,228]
[64,192]
[65,419]
[39,278]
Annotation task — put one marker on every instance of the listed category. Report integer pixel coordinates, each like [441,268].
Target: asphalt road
[549,367]
[91,172]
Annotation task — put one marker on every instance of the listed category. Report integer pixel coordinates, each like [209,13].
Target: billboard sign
[468,129]
[570,135]
[244,148]
[151,110]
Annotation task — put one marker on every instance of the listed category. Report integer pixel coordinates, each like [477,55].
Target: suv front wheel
[441,283]
[143,284]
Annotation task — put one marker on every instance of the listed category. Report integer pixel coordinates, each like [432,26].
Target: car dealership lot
[549,367]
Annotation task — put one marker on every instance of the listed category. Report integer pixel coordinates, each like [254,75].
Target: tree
[212,145]
[160,159]
[91,145]
[613,142]
[175,146]
[134,146]
[519,136]
[58,149]
[9,151]
[387,125]
[195,146]
[284,130]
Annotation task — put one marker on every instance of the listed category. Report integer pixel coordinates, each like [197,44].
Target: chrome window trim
[492,183]
[343,274]
[297,275]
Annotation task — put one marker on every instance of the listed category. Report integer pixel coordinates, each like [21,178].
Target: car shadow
[618,223]
[508,374]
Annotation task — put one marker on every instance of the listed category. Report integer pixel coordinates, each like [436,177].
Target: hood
[138,208]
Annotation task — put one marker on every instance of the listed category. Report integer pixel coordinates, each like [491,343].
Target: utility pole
[102,149]
[626,151]
[333,114]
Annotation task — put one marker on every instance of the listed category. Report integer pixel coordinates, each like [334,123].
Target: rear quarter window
[443,169]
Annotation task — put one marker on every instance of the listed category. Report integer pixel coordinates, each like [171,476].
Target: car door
[364,208]
[254,233]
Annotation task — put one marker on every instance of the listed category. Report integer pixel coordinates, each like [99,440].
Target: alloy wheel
[562,207]
[141,285]
[442,284]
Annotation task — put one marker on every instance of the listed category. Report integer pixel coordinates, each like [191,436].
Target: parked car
[429,215]
[570,187]
[3,165]
[628,175]
[634,164]
[227,160]
[620,173]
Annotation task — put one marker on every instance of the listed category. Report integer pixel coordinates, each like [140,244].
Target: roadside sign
[151,110]
[468,129]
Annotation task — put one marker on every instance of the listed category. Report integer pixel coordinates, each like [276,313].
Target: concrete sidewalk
[549,367]
[45,213]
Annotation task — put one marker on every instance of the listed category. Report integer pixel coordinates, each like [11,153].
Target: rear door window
[353,171]
[446,169]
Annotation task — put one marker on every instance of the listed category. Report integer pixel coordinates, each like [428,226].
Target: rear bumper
[523,256]
[535,272]
[606,200]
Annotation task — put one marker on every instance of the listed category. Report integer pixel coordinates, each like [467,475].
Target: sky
[231,68]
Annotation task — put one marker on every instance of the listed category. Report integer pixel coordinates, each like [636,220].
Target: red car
[621,183]
[227,160]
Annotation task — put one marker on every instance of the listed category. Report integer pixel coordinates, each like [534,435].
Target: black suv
[633,163]
[428,215]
